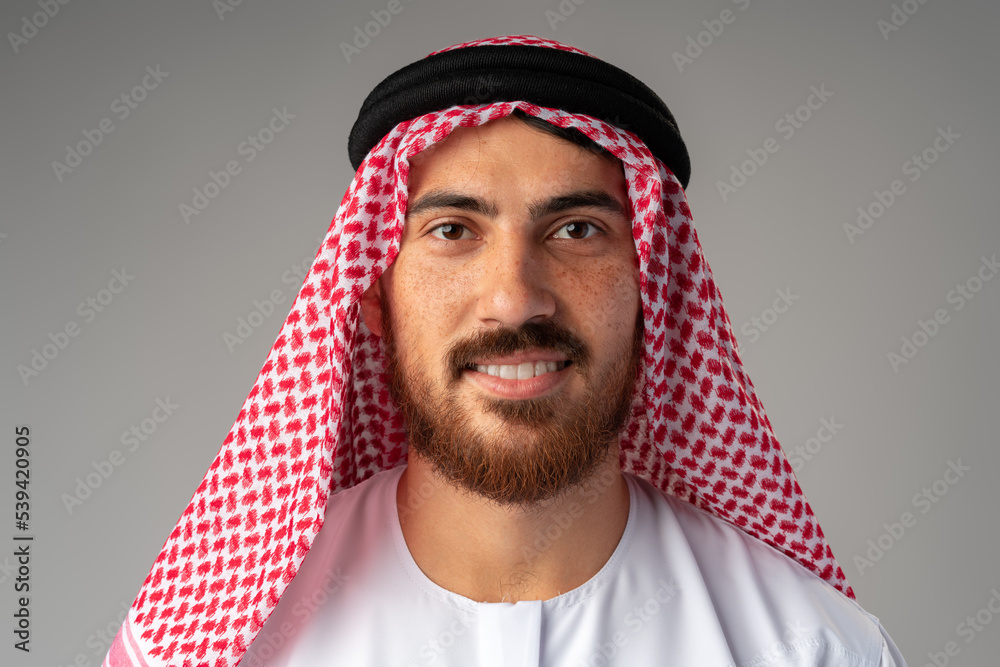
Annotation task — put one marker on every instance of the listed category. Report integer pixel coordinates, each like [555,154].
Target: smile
[525,375]
[522,371]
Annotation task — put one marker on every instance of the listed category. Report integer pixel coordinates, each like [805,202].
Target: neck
[492,553]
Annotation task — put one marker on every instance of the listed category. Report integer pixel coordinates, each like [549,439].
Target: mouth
[519,376]
[522,371]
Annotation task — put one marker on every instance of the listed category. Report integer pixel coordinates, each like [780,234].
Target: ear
[371,307]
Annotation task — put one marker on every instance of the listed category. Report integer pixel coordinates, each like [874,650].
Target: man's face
[512,315]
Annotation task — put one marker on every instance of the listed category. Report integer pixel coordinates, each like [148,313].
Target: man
[512,369]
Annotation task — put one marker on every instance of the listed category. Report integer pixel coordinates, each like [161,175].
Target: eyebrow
[438,199]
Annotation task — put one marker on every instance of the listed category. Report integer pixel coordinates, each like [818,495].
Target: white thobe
[682,588]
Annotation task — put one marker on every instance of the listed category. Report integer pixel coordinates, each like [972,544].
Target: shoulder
[360,509]
[750,584]
[338,568]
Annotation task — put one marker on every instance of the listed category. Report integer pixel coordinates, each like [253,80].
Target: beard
[542,447]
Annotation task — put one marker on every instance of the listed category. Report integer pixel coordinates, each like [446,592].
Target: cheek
[427,302]
[607,307]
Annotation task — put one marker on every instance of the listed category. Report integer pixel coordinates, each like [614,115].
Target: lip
[518,389]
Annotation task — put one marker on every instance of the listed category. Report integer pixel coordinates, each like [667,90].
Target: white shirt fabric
[682,588]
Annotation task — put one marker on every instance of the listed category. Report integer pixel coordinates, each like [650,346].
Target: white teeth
[523,371]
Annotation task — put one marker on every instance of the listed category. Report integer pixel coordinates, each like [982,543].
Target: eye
[451,232]
[578,229]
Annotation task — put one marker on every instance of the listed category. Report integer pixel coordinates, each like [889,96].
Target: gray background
[826,357]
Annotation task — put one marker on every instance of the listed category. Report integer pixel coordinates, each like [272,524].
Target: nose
[515,283]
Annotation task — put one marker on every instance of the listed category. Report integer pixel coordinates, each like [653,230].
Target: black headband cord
[544,76]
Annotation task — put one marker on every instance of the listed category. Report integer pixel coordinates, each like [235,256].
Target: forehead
[507,158]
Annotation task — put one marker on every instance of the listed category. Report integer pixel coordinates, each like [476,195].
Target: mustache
[547,335]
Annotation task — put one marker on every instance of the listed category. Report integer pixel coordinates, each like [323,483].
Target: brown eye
[576,230]
[449,232]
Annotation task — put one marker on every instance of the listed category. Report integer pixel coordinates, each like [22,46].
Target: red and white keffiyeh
[319,418]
